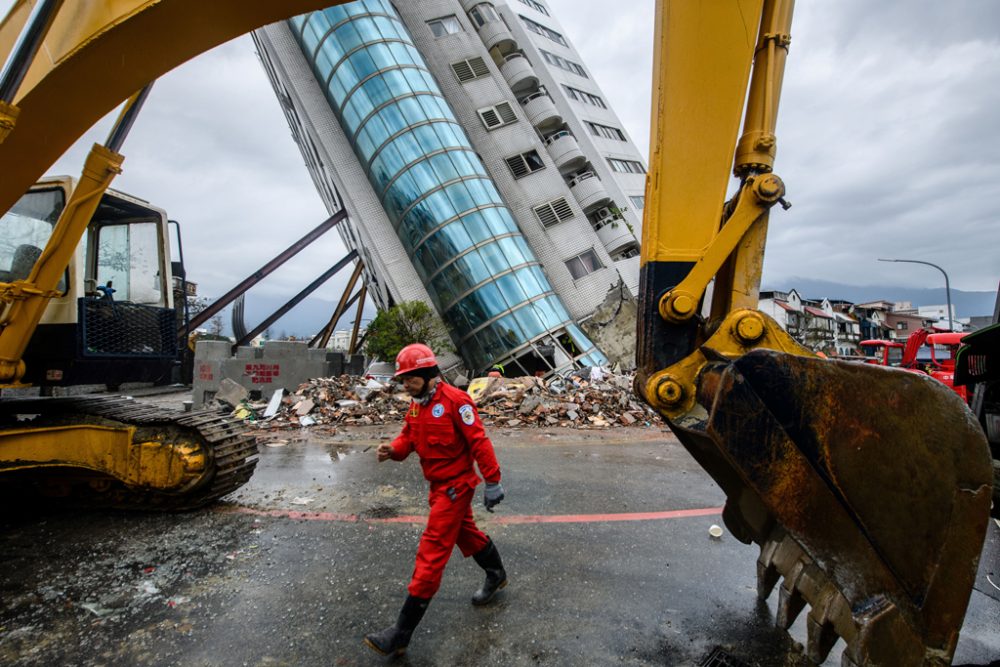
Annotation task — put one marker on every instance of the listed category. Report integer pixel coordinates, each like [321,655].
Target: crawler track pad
[867,489]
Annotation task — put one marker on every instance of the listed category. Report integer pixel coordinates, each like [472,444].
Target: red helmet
[414,356]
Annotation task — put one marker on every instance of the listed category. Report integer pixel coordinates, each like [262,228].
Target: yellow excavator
[867,489]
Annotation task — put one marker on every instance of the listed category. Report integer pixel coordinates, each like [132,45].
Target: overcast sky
[888,145]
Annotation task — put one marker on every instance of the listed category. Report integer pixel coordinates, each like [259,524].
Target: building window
[563,63]
[900,326]
[446,25]
[467,70]
[605,131]
[555,211]
[537,6]
[539,29]
[585,97]
[583,264]
[639,201]
[626,166]
[525,163]
[483,14]
[495,116]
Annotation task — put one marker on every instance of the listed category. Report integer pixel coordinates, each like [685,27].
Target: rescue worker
[443,427]
[496,371]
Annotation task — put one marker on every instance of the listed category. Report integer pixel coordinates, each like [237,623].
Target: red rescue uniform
[448,436]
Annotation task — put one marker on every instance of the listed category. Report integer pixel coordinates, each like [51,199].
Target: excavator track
[230,451]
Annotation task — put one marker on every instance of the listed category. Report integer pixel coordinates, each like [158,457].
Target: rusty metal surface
[867,488]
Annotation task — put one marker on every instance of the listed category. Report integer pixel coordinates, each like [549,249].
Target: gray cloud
[887,142]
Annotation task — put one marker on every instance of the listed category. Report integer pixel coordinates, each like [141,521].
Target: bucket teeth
[820,639]
[790,605]
[767,579]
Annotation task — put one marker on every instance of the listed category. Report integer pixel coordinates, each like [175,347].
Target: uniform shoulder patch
[468,414]
[437,410]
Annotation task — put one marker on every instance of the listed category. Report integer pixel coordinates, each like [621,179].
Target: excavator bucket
[867,488]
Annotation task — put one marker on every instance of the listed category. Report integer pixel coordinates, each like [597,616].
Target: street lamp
[947,286]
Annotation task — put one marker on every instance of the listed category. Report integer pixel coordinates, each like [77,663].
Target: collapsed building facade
[481,168]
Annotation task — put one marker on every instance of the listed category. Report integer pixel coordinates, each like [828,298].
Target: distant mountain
[967,304]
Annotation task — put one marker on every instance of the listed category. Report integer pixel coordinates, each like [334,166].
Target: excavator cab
[867,488]
[112,319]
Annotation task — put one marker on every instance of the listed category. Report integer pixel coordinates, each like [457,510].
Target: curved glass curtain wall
[462,239]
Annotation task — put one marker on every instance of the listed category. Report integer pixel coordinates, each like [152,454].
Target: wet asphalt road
[317,549]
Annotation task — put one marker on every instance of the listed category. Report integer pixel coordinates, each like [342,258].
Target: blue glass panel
[401,54]
[317,25]
[377,90]
[345,72]
[473,268]
[354,8]
[347,36]
[382,56]
[558,308]
[529,320]
[377,131]
[396,82]
[440,205]
[476,355]
[461,199]
[476,226]
[367,29]
[298,21]
[387,27]
[364,144]
[335,14]
[491,343]
[511,289]
[324,64]
[423,175]
[393,119]
[494,258]
[408,147]
[529,283]
[427,138]
[363,63]
[510,249]
[444,167]
[410,108]
[404,190]
[418,81]
[509,331]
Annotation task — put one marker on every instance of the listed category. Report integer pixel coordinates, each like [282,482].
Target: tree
[405,323]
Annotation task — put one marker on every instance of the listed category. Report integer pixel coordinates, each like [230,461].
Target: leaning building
[482,169]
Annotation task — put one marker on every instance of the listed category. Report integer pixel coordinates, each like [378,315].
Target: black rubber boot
[496,577]
[394,639]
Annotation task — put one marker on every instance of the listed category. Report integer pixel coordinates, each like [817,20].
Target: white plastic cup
[715,531]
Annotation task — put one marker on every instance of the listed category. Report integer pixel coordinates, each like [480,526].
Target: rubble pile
[598,400]
[603,401]
[347,399]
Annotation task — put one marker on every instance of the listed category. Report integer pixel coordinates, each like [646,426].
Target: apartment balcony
[469,4]
[588,190]
[496,34]
[518,73]
[540,110]
[564,150]
[614,234]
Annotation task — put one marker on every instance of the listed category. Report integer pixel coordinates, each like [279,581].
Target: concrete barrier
[262,370]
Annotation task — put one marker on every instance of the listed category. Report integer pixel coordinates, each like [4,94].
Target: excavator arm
[867,489]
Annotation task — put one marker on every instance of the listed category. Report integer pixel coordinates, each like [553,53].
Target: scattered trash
[301,500]
[715,531]
[148,587]
[275,443]
[306,421]
[96,609]
[274,404]
[179,600]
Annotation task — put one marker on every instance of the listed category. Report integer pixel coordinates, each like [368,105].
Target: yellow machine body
[867,489]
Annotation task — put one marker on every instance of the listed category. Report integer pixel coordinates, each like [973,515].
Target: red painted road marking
[499,519]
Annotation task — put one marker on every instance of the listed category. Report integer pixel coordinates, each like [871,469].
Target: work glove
[492,496]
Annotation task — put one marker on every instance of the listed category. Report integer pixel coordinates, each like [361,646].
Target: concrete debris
[231,393]
[574,400]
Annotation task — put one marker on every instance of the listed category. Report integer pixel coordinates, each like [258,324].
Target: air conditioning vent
[525,163]
[467,70]
[498,115]
[555,211]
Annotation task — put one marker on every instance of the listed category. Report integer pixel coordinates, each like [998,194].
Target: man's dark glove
[492,496]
